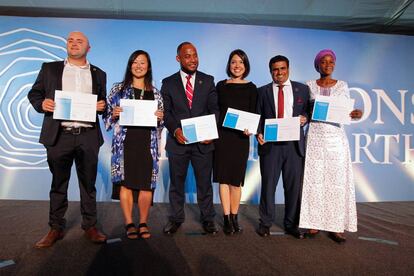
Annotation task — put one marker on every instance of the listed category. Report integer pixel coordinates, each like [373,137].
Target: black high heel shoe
[228,227]
[235,222]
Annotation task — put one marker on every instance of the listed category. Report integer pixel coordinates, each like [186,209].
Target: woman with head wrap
[328,197]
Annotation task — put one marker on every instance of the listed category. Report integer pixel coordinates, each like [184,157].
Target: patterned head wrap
[320,55]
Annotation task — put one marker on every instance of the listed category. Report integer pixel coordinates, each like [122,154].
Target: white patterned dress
[328,197]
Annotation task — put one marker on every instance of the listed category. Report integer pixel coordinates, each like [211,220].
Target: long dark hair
[128,75]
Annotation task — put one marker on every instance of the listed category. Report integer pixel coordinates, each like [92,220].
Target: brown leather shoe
[51,237]
[94,235]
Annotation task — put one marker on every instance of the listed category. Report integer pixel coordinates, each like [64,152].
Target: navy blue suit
[176,108]
[281,157]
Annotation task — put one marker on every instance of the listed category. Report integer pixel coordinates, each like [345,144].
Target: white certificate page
[332,109]
[75,106]
[241,120]
[138,113]
[285,129]
[200,128]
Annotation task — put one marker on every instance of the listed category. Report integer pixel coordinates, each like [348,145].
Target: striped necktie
[189,91]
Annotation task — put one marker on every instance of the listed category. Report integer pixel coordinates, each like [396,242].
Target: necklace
[141,94]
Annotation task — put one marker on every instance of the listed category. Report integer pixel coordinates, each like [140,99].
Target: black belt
[75,130]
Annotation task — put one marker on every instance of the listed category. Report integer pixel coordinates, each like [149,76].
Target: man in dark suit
[280,99]
[68,141]
[189,93]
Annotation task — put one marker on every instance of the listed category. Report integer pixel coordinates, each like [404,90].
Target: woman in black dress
[134,162]
[232,148]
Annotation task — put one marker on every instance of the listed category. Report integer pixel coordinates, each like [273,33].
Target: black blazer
[266,108]
[49,80]
[176,106]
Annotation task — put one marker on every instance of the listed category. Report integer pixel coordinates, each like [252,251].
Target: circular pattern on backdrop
[22,52]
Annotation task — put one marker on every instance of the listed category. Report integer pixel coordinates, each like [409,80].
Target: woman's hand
[159,114]
[246,132]
[356,114]
[115,112]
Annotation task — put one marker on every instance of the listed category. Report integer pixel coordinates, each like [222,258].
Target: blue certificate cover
[190,133]
[320,111]
[270,133]
[128,115]
[230,120]
[65,110]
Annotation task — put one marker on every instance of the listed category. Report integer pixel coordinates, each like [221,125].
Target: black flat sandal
[144,234]
[131,231]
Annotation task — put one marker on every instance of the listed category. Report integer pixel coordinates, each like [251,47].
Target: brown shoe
[94,235]
[337,237]
[51,237]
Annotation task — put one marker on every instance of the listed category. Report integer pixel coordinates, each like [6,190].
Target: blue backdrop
[377,67]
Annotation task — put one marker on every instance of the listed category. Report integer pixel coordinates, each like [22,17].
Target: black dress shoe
[171,227]
[263,231]
[337,237]
[295,233]
[210,227]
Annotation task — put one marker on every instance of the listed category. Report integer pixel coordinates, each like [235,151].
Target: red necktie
[280,102]
[189,91]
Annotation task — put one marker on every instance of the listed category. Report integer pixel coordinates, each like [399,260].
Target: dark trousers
[282,158]
[83,149]
[202,164]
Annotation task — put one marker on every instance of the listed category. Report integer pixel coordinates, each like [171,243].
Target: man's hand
[179,136]
[303,120]
[260,139]
[48,105]
[100,105]
[206,142]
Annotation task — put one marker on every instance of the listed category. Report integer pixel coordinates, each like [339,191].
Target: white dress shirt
[184,79]
[287,97]
[79,79]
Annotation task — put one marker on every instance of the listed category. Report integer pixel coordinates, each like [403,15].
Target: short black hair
[245,60]
[181,46]
[277,59]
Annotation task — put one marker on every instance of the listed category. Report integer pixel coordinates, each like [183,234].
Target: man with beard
[189,93]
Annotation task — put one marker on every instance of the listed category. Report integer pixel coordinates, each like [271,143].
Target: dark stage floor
[384,245]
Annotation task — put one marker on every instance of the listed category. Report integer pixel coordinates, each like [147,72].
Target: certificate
[200,128]
[75,106]
[332,109]
[284,129]
[241,120]
[138,113]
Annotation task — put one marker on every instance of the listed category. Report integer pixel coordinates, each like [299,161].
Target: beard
[189,72]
